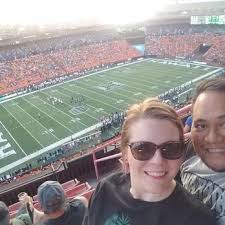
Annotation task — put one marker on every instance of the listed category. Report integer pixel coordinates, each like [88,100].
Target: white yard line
[138,89]
[205,76]
[71,118]
[82,112]
[183,61]
[112,98]
[23,127]
[45,128]
[50,147]
[190,89]
[85,103]
[136,81]
[48,115]
[14,139]
[94,99]
[125,96]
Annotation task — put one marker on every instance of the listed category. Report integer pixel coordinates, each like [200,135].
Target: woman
[152,148]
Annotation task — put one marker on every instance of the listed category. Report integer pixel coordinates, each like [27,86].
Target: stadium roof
[182,11]
[200,7]
[177,10]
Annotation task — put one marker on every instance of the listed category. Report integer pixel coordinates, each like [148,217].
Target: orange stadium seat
[12,214]
[88,194]
[79,189]
[15,207]
[70,184]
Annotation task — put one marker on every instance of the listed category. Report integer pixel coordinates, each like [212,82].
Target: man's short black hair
[214,84]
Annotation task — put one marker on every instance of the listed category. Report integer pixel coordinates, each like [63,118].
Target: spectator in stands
[204,174]
[47,68]
[4,214]
[152,150]
[56,208]
[188,123]
[22,219]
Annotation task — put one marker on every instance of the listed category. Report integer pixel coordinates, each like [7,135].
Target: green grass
[32,122]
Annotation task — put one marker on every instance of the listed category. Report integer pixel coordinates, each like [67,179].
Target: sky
[41,12]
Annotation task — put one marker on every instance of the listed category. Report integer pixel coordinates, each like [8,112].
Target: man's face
[208,129]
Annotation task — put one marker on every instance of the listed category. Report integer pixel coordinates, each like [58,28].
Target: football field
[36,122]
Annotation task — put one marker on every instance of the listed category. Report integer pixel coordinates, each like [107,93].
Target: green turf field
[32,122]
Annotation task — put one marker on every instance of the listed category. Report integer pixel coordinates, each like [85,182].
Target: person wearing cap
[56,207]
[22,219]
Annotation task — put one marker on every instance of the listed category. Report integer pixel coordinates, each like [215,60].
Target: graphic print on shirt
[207,191]
[118,219]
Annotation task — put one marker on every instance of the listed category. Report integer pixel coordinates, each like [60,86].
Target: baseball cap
[51,196]
[4,214]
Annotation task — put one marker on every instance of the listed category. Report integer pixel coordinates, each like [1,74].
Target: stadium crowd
[25,49]
[36,69]
[50,61]
[184,40]
[165,41]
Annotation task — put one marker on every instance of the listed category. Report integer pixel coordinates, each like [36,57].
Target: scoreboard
[208,19]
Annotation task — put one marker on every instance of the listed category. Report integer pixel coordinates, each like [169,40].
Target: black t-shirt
[74,215]
[112,204]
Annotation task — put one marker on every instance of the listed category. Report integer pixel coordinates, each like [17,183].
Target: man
[204,175]
[22,219]
[57,210]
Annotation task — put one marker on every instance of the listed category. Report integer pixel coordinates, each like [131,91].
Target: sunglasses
[145,150]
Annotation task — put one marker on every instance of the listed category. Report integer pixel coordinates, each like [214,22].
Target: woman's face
[154,175]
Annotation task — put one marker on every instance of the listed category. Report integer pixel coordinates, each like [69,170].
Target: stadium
[64,90]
